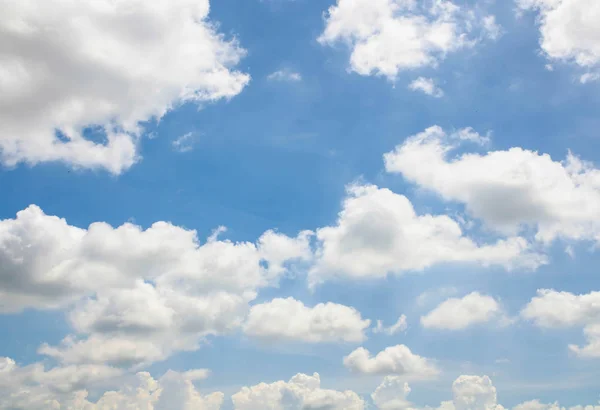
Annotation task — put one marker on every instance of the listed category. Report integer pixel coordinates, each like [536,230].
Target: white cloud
[185,142]
[426,85]
[302,392]
[589,77]
[34,388]
[285,75]
[290,319]
[69,65]
[392,394]
[568,29]
[135,296]
[457,314]
[394,360]
[378,232]
[469,393]
[509,190]
[552,309]
[400,326]
[491,27]
[389,36]
[474,393]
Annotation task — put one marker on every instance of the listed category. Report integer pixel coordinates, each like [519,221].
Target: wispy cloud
[185,142]
[285,75]
[428,86]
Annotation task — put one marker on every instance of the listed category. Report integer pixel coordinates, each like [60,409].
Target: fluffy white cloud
[389,36]
[67,65]
[392,394]
[33,388]
[378,232]
[474,393]
[302,392]
[510,189]
[469,393]
[427,86]
[394,360]
[136,295]
[460,313]
[552,309]
[290,319]
[568,29]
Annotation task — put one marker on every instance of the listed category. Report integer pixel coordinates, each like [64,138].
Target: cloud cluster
[135,296]
[460,313]
[290,319]
[379,232]
[77,78]
[509,190]
[34,388]
[551,309]
[302,392]
[427,86]
[569,30]
[389,36]
[395,360]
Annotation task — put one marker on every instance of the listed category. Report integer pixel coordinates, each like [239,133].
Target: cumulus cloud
[378,232]
[457,314]
[394,360]
[73,67]
[302,392]
[552,309]
[509,190]
[427,86]
[389,36]
[568,30]
[400,326]
[290,319]
[34,388]
[392,394]
[135,296]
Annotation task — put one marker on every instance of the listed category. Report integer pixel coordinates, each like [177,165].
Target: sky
[296,204]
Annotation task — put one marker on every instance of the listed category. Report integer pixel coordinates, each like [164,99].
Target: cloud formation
[569,31]
[135,296]
[394,360]
[461,313]
[34,388]
[378,233]
[70,65]
[551,309]
[509,190]
[289,319]
[302,392]
[389,36]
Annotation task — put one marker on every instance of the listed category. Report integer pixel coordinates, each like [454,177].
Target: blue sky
[278,152]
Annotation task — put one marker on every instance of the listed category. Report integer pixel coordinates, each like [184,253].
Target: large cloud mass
[67,65]
[135,296]
[509,190]
[569,30]
[379,232]
[302,392]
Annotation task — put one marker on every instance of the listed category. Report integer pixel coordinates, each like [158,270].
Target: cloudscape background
[294,204]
